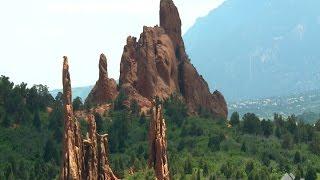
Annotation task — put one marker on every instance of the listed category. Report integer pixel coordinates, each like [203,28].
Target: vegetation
[199,147]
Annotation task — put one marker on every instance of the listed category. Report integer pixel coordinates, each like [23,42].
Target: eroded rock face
[96,163]
[72,142]
[82,159]
[158,144]
[157,65]
[105,89]
[149,67]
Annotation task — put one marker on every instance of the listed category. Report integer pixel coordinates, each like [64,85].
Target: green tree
[315,144]
[249,167]
[299,173]
[176,110]
[297,157]
[235,119]
[243,147]
[311,174]
[134,107]
[251,123]
[227,170]
[50,152]
[119,102]
[77,104]
[142,119]
[36,120]
[99,123]
[6,122]
[292,124]
[188,166]
[317,125]
[287,141]
[266,127]
[215,141]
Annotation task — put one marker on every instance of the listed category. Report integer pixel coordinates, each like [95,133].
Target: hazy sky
[35,34]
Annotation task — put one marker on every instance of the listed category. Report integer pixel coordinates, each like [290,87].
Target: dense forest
[199,147]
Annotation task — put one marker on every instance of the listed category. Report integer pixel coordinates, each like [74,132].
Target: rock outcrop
[82,159]
[148,67]
[158,144]
[72,141]
[157,65]
[105,89]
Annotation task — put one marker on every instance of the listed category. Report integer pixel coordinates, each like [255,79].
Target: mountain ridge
[244,49]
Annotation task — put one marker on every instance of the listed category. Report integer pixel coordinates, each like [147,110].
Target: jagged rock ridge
[157,65]
[82,159]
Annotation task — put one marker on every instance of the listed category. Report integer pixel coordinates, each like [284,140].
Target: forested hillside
[199,147]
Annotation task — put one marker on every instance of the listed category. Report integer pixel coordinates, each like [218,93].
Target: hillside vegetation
[199,147]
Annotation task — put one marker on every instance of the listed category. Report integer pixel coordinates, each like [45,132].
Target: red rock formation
[157,65]
[82,159]
[158,145]
[72,142]
[148,67]
[105,89]
[105,171]
[96,164]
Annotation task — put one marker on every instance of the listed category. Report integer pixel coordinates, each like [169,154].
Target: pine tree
[36,120]
[6,121]
[235,119]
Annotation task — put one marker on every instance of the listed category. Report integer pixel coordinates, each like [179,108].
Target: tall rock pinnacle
[157,65]
[105,89]
[158,144]
[72,142]
[170,21]
[82,159]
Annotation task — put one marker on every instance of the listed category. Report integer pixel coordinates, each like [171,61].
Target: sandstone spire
[96,164]
[158,144]
[72,142]
[105,89]
[82,159]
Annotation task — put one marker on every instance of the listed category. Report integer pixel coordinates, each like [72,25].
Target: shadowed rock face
[157,65]
[105,89]
[158,144]
[82,159]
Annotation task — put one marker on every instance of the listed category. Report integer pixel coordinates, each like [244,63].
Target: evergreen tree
[243,147]
[311,174]
[188,166]
[249,167]
[119,102]
[99,123]
[50,151]
[297,157]
[36,120]
[251,123]
[266,127]
[6,121]
[77,104]
[235,119]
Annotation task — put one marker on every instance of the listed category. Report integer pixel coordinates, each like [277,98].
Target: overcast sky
[35,34]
